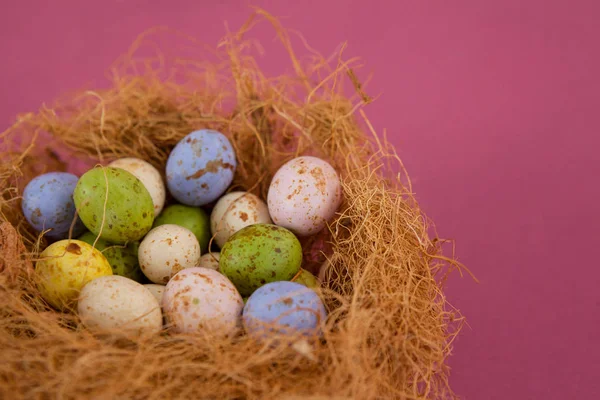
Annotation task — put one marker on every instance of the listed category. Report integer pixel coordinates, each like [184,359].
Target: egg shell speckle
[123,260]
[304,194]
[65,267]
[259,254]
[193,218]
[166,250]
[148,175]
[156,290]
[48,204]
[202,300]
[200,167]
[115,302]
[283,307]
[129,211]
[234,211]
[210,260]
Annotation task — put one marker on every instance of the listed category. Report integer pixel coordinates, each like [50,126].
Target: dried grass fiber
[390,328]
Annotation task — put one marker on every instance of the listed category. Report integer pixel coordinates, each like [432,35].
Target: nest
[390,328]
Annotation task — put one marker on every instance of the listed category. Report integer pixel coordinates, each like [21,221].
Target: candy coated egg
[259,254]
[304,194]
[306,278]
[166,250]
[48,204]
[200,167]
[128,212]
[122,259]
[65,267]
[193,218]
[156,290]
[234,211]
[201,299]
[148,175]
[210,260]
[118,303]
[283,307]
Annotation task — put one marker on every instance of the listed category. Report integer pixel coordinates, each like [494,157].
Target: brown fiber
[390,328]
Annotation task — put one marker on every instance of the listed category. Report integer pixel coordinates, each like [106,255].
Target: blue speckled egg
[48,204]
[283,307]
[200,167]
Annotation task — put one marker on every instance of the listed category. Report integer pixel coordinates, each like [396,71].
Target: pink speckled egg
[202,300]
[304,194]
[210,260]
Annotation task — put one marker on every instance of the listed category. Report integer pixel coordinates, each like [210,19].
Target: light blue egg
[201,167]
[283,307]
[48,204]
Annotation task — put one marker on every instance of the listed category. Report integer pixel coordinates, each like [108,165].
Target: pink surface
[493,106]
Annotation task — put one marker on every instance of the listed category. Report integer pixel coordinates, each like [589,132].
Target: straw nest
[390,328]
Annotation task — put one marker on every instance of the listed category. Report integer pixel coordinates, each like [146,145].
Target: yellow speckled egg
[65,267]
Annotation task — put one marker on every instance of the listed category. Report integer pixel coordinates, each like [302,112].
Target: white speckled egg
[148,175]
[234,211]
[156,290]
[115,302]
[166,250]
[304,194]
[210,260]
[202,300]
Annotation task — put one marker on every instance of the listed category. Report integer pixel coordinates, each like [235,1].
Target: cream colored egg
[166,250]
[210,260]
[156,290]
[234,211]
[304,194]
[148,175]
[202,300]
[118,303]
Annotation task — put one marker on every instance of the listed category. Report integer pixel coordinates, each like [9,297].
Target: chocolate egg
[304,195]
[234,211]
[166,250]
[193,218]
[122,259]
[48,204]
[259,254]
[200,167]
[128,212]
[202,300]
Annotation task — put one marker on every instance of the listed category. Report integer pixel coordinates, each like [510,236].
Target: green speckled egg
[123,260]
[306,278]
[129,207]
[258,254]
[193,218]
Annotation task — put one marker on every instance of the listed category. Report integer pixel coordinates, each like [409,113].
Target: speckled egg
[210,260]
[48,204]
[65,267]
[283,307]
[305,278]
[304,194]
[193,218]
[117,303]
[234,211]
[166,250]
[129,208]
[200,167]
[148,175]
[202,300]
[122,259]
[156,290]
[259,254]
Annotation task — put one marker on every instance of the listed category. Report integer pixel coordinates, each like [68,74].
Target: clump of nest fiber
[389,330]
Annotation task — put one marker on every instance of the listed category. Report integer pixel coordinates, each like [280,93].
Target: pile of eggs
[137,264]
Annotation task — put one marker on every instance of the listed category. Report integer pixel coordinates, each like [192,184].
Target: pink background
[494,107]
